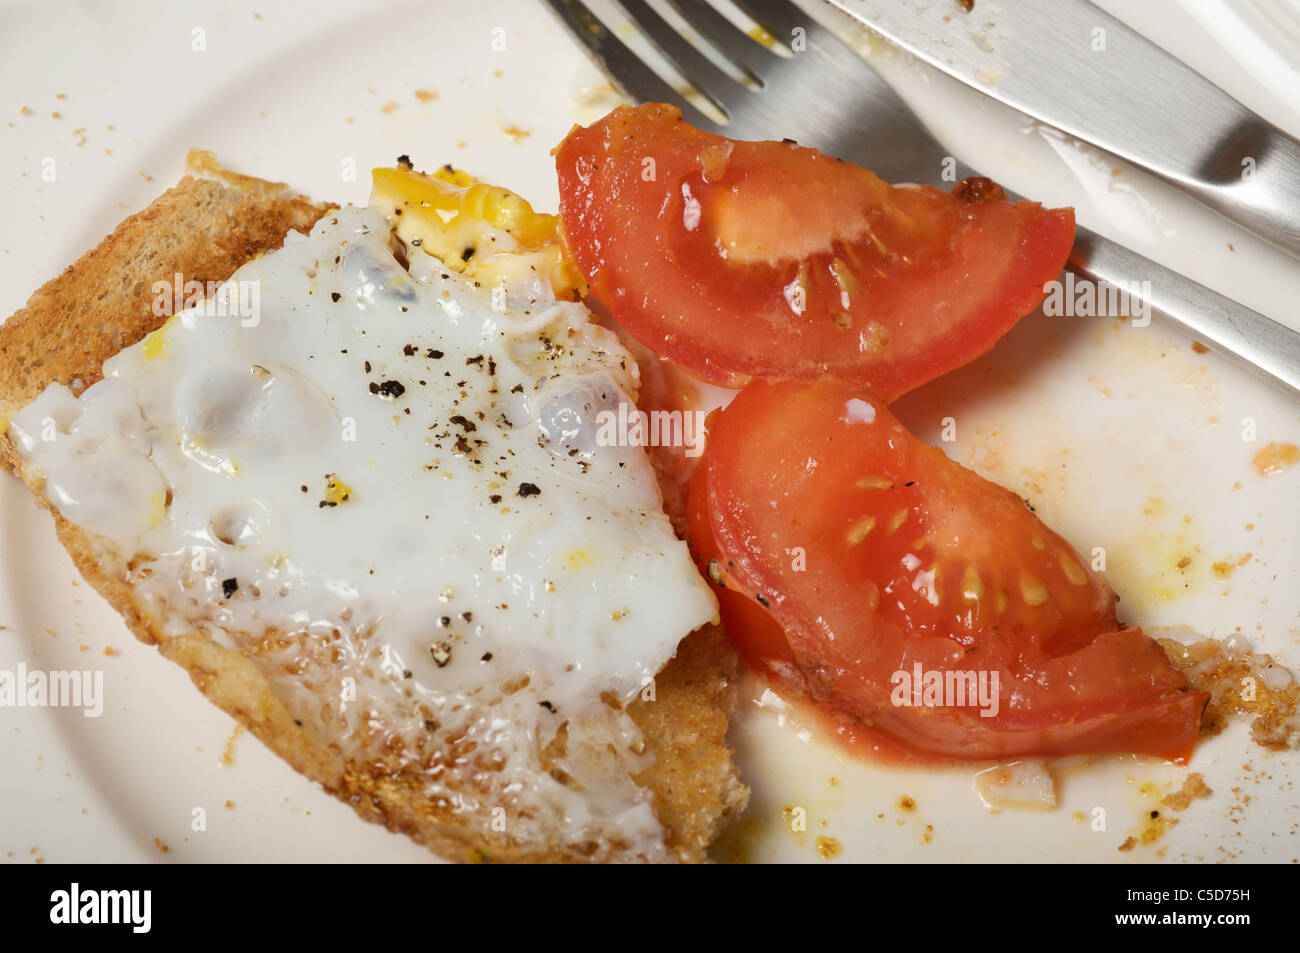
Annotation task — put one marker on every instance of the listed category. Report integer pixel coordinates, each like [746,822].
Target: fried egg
[383,484]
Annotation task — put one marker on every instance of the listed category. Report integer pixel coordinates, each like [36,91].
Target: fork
[828,97]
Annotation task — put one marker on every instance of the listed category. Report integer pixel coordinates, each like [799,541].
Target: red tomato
[770,260]
[845,551]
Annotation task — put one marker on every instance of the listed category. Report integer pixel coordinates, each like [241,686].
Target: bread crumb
[110,651]
[157,842]
[228,753]
[56,115]
[1199,348]
[388,107]
[1194,787]
[25,111]
[426,96]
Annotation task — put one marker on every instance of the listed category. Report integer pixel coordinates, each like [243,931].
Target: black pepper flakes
[389,389]
[228,586]
[529,489]
[547,705]
[335,296]
[433,354]
[762,600]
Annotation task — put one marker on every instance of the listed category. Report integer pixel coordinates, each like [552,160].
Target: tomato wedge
[862,568]
[770,260]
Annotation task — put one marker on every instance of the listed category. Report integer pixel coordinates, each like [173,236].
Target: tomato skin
[836,630]
[742,259]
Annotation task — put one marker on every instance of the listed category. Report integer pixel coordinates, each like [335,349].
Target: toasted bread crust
[203,229]
[212,222]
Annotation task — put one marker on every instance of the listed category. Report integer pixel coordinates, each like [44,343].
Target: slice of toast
[204,228]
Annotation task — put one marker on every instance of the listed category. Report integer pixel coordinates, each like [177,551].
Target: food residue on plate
[1275,458]
[1241,682]
[828,848]
[228,753]
[1157,820]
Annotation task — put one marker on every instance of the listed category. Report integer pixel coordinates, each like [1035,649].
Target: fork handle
[1255,341]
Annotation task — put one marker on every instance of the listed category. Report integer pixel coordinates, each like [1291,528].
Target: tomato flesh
[844,551]
[770,260]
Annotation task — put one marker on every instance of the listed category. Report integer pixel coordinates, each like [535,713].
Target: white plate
[1089,419]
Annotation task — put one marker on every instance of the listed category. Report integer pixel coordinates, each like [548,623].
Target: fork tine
[780,18]
[625,69]
[694,65]
[743,50]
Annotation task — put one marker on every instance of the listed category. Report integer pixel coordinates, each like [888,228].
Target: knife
[1071,65]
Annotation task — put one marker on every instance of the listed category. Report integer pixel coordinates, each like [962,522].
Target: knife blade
[1071,65]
